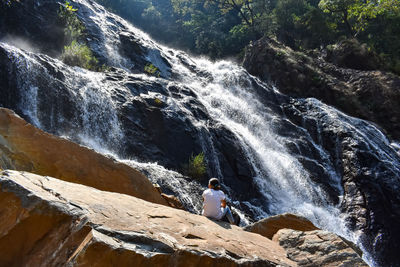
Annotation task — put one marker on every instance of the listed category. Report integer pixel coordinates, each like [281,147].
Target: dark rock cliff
[370,95]
[370,192]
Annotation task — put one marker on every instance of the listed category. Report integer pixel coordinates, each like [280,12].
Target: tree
[356,14]
[340,8]
[250,11]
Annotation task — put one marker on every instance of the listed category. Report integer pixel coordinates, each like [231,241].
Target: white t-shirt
[212,203]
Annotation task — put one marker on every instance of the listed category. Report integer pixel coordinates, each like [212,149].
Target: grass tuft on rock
[80,55]
[197,166]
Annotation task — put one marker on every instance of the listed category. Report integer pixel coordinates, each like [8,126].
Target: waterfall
[86,107]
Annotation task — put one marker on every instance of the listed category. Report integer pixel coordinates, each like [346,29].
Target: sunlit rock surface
[269,226]
[26,148]
[317,248]
[49,222]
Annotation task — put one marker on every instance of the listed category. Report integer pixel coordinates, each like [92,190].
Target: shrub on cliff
[79,55]
[76,52]
[74,28]
[196,167]
[152,70]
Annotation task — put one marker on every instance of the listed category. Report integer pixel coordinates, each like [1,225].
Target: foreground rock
[48,222]
[269,226]
[317,248]
[371,95]
[24,147]
[306,244]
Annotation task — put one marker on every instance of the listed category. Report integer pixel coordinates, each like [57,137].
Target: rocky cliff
[368,197]
[134,116]
[371,95]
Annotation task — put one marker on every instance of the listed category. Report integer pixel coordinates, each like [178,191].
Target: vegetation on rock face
[76,52]
[74,29]
[158,102]
[221,28]
[152,70]
[197,166]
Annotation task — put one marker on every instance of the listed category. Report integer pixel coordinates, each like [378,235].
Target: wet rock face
[148,129]
[32,25]
[317,248]
[370,95]
[371,201]
[53,223]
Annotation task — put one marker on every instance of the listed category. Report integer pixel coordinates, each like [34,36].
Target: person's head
[214,184]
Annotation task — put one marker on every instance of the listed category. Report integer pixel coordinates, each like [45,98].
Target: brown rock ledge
[269,226]
[26,148]
[49,222]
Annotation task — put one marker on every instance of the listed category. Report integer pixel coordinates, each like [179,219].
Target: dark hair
[214,182]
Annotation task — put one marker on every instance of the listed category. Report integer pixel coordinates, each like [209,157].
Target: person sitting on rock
[214,202]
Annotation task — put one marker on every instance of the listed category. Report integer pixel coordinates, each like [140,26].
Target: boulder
[26,148]
[48,222]
[317,248]
[349,53]
[269,226]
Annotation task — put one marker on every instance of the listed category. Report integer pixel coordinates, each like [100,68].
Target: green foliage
[197,166]
[80,55]
[152,70]
[158,102]
[74,28]
[357,14]
[76,52]
[222,28]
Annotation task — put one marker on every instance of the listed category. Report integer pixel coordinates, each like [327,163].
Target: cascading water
[231,100]
[87,108]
